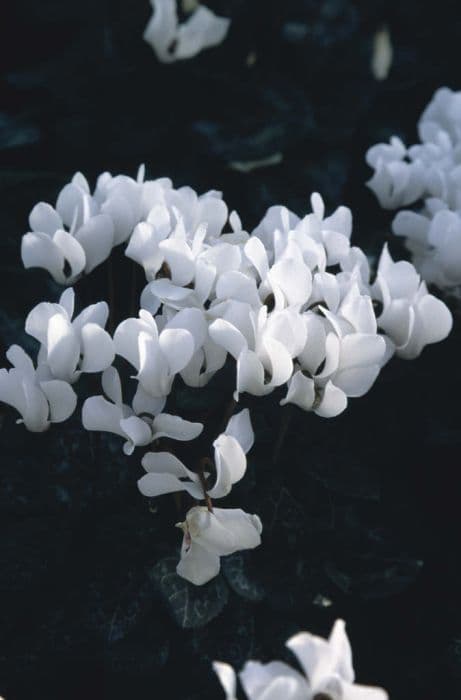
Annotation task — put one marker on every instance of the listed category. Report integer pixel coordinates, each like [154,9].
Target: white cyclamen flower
[327,665]
[159,356]
[69,347]
[211,535]
[172,41]
[38,398]
[167,474]
[411,317]
[262,344]
[72,238]
[114,416]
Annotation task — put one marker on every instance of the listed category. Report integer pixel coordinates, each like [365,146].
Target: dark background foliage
[362,511]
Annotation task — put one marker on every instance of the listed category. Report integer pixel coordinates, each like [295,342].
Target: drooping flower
[211,535]
[69,347]
[326,663]
[172,41]
[38,397]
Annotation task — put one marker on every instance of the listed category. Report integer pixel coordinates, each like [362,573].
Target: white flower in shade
[157,356]
[38,398]
[326,663]
[167,474]
[72,238]
[411,317]
[211,535]
[69,347]
[172,41]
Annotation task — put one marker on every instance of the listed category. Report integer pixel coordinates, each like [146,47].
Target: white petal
[197,564]
[36,412]
[120,211]
[67,301]
[357,381]
[95,313]
[96,237]
[227,678]
[293,278]
[62,399]
[257,255]
[202,30]
[192,320]
[39,318]
[45,219]
[179,259]
[63,348]
[333,402]
[226,335]
[359,349]
[236,285]
[112,385]
[72,252]
[239,427]
[301,392]
[167,425]
[69,202]
[178,346]
[250,374]
[97,349]
[137,431]
[39,250]
[99,414]
[152,485]
[230,464]
[225,530]
[438,320]
[145,403]
[273,681]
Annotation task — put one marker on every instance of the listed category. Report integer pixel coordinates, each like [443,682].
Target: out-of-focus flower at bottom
[327,665]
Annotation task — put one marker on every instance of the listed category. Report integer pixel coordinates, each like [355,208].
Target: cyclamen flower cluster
[292,304]
[327,665]
[429,171]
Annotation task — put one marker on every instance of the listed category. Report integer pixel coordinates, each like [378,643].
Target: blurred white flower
[172,41]
[69,347]
[167,474]
[211,535]
[327,665]
[38,398]
[429,171]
